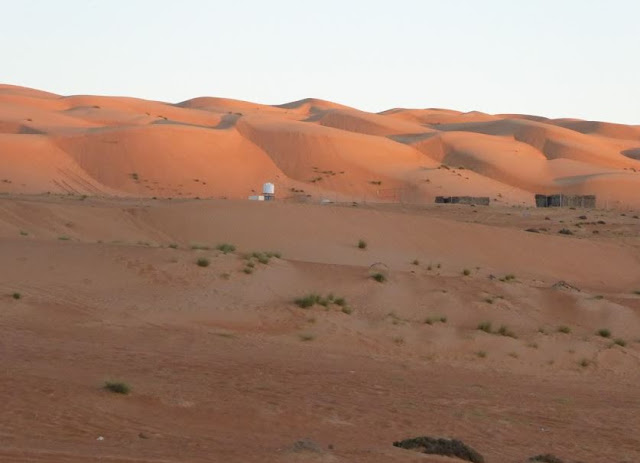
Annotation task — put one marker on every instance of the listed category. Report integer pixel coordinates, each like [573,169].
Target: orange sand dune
[367,123]
[310,149]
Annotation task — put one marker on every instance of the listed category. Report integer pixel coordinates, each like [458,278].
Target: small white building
[269,191]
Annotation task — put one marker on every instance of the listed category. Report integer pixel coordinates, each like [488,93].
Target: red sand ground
[224,366]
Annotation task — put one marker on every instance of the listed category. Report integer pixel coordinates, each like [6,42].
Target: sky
[554,58]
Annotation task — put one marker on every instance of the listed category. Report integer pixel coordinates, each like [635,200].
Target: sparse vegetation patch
[226,248]
[312,299]
[203,262]
[439,446]
[117,387]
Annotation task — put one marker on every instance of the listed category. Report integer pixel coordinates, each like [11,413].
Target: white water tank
[269,189]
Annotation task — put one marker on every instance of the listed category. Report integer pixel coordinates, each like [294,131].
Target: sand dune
[309,148]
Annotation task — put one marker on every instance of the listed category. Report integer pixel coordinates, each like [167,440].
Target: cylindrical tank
[269,189]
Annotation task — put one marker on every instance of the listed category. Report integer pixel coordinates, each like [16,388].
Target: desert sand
[487,324]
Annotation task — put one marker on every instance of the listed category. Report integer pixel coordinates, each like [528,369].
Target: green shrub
[347,310]
[620,342]
[604,332]
[117,387]
[64,238]
[466,272]
[203,262]
[564,329]
[247,270]
[308,301]
[173,246]
[379,277]
[16,295]
[438,446]
[307,337]
[485,326]
[504,331]
[362,244]
[226,248]
[341,301]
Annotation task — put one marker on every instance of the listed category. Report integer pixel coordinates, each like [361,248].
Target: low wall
[472,200]
[581,201]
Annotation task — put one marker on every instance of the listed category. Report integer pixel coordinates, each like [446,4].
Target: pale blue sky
[562,58]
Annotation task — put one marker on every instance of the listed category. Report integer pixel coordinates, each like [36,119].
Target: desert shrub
[308,301]
[439,446]
[341,301]
[546,458]
[200,247]
[307,337]
[16,296]
[565,231]
[247,270]
[23,233]
[379,277]
[226,248]
[173,246]
[415,262]
[263,259]
[466,272]
[488,300]
[604,332]
[117,387]
[620,342]
[64,238]
[504,331]
[251,264]
[362,244]
[203,262]
[564,329]
[347,310]
[585,363]
[485,326]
